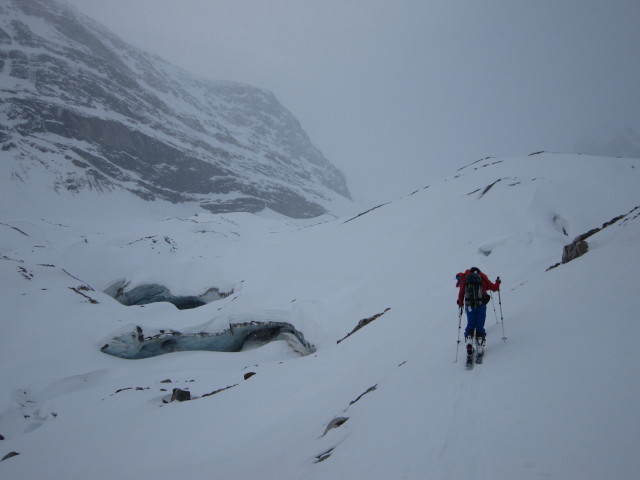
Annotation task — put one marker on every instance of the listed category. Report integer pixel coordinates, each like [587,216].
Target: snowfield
[557,399]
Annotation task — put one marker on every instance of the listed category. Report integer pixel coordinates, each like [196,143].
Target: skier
[473,285]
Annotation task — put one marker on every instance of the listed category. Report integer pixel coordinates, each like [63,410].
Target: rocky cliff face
[96,113]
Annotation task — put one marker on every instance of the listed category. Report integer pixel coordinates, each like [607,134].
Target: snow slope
[555,400]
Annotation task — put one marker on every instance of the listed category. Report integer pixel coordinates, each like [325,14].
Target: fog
[399,93]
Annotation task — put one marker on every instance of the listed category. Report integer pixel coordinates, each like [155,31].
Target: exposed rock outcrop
[9,455]
[179,395]
[335,423]
[575,249]
[579,246]
[363,323]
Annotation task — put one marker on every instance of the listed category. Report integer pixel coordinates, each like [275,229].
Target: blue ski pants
[475,321]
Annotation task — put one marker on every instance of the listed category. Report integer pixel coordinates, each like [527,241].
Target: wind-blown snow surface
[558,399]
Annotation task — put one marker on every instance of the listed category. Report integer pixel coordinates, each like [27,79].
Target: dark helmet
[474,269]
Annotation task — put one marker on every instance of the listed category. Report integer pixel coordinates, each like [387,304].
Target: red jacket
[486,285]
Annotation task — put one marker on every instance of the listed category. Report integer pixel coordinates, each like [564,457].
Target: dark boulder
[180,395]
[574,250]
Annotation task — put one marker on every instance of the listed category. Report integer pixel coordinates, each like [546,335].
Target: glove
[498,282]
[459,303]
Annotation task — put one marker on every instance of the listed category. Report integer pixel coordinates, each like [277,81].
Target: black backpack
[473,290]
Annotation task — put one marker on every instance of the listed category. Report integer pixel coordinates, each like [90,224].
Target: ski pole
[504,338]
[493,304]
[459,327]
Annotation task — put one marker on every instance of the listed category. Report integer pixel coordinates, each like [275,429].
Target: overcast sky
[400,93]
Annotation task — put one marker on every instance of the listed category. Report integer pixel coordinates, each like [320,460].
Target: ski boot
[470,351]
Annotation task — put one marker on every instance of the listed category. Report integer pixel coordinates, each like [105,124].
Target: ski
[469,363]
[479,349]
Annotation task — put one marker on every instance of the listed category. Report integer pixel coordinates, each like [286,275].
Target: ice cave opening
[152,293]
[238,337]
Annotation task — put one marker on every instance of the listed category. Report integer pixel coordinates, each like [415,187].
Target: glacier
[322,342]
[533,409]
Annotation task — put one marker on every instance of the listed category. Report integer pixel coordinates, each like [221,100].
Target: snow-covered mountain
[87,111]
[625,143]
[346,329]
